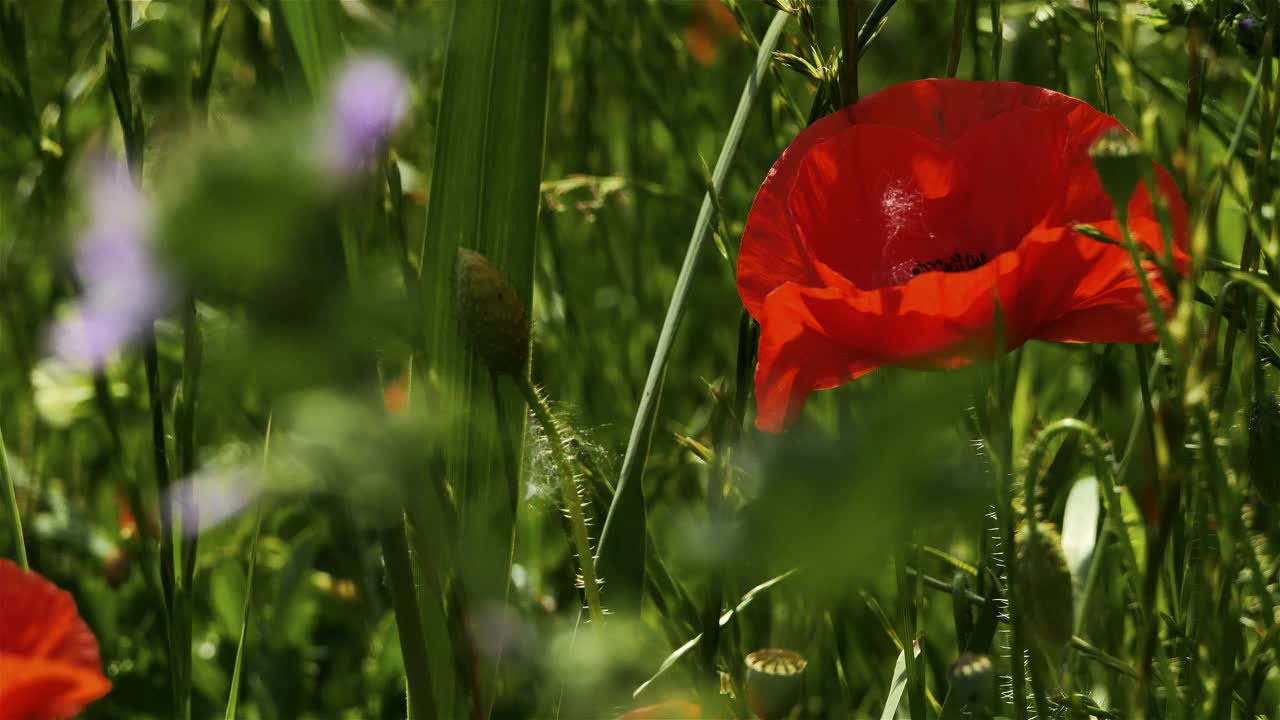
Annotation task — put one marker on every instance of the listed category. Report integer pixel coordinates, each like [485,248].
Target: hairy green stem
[569,495]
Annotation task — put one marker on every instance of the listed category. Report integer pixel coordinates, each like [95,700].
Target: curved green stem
[11,498]
[569,492]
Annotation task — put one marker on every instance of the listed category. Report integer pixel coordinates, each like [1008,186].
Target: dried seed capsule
[1044,586]
[1264,448]
[493,319]
[971,678]
[775,678]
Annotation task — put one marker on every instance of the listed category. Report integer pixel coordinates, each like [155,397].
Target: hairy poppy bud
[494,322]
[1118,159]
[1264,447]
[774,680]
[971,678]
[1045,586]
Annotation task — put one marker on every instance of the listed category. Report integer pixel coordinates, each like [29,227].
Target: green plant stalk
[178,610]
[11,499]
[997,38]
[569,496]
[395,555]
[915,671]
[233,697]
[1101,69]
[628,486]
[957,38]
[848,11]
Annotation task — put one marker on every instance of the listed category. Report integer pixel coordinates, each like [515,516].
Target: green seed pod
[775,678]
[1264,448]
[1044,586]
[971,679]
[1117,156]
[493,319]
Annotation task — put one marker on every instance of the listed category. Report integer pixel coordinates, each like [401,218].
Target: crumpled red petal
[49,662]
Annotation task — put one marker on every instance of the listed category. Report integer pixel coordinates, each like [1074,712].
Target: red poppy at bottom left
[50,668]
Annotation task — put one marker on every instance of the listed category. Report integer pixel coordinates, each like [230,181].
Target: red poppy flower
[49,663]
[887,230]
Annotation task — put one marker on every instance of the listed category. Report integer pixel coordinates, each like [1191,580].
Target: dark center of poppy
[957,262]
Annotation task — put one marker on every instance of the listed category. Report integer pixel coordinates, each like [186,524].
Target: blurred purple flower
[123,290]
[369,100]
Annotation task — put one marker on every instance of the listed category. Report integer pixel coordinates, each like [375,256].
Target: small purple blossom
[369,100]
[123,290]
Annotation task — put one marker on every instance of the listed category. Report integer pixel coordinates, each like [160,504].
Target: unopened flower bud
[1044,586]
[775,678]
[971,678]
[494,322]
[1264,448]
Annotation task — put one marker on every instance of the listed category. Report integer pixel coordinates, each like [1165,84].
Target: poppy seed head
[774,681]
[494,322]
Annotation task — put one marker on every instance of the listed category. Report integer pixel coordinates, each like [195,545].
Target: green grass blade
[11,499]
[485,195]
[311,38]
[623,569]
[233,698]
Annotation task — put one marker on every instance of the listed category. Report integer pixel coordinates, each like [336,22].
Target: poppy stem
[849,53]
[11,498]
[569,496]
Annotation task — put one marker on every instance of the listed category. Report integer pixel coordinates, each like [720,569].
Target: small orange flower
[711,23]
[49,663]
[396,395]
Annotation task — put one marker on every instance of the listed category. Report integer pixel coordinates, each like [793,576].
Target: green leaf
[897,685]
[485,196]
[311,39]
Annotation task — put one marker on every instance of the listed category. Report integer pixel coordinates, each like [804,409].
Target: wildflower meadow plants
[648,359]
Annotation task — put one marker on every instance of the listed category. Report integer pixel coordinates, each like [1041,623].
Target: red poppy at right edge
[50,668]
[886,231]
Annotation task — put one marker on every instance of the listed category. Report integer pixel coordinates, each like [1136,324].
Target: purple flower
[123,290]
[369,100]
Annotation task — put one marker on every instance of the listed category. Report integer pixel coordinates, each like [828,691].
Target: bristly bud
[1118,158]
[775,677]
[971,677]
[1044,591]
[494,322]
[1264,447]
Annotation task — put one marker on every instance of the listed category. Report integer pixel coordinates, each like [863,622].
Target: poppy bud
[1264,447]
[1118,159]
[971,678]
[1045,586]
[774,680]
[116,564]
[494,322]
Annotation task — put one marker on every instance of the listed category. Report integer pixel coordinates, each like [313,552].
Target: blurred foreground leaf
[484,196]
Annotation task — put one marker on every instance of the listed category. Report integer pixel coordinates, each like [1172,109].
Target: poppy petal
[50,663]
